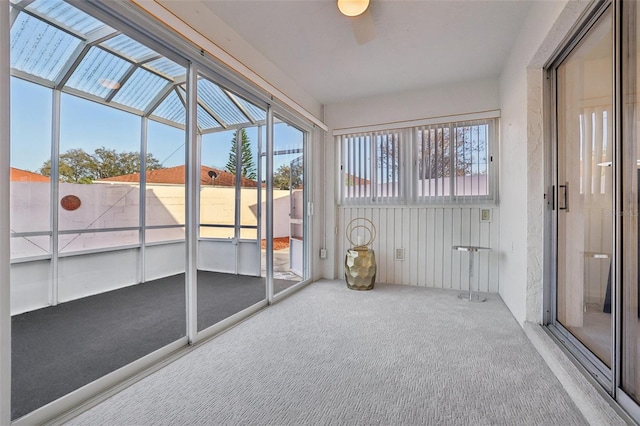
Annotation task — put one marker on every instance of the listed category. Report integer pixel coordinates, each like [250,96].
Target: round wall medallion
[70,202]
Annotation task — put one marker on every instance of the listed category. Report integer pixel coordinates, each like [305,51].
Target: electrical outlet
[399,254]
[323,253]
[485,215]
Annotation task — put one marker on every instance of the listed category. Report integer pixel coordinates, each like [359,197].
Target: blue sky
[89,125]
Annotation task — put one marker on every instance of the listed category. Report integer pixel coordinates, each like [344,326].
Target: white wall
[89,274]
[469,97]
[427,235]
[323,219]
[30,284]
[164,260]
[522,155]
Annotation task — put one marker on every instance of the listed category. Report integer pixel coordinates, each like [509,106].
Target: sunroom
[176,167]
[101,124]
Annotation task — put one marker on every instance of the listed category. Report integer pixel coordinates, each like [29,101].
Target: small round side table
[471,296]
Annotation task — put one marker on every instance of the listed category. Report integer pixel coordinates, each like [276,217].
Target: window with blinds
[371,167]
[451,163]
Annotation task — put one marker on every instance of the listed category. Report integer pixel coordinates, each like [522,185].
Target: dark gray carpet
[58,349]
[396,355]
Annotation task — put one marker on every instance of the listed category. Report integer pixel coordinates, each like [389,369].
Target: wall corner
[535,195]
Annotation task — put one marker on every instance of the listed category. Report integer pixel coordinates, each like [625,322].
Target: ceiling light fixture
[353,7]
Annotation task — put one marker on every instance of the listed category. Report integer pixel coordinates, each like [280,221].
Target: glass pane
[218,185]
[288,207]
[387,146]
[66,15]
[172,109]
[165,192]
[206,121]
[471,158]
[249,187]
[358,176]
[68,243]
[215,99]
[585,224]
[99,163]
[40,49]
[107,314]
[229,278]
[99,73]
[255,112]
[129,48]
[631,204]
[30,202]
[140,89]
[167,67]
[157,235]
[434,163]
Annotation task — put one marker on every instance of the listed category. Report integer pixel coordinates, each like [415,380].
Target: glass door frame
[307,205]
[192,205]
[152,33]
[605,376]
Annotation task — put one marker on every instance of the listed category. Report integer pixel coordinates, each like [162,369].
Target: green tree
[286,178]
[248,169]
[443,154]
[78,166]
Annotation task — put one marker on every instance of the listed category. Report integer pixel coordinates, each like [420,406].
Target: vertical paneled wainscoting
[427,235]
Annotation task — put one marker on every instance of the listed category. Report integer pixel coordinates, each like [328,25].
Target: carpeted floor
[58,349]
[397,355]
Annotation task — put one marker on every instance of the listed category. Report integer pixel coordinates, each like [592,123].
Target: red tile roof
[176,175]
[19,175]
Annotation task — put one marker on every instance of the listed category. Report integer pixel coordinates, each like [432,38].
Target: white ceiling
[418,44]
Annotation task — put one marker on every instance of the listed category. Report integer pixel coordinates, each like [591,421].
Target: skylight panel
[66,15]
[256,113]
[39,49]
[166,67]
[217,100]
[172,109]
[129,48]
[205,120]
[140,89]
[99,73]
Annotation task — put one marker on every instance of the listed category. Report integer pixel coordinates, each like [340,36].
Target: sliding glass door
[596,222]
[585,191]
[229,258]
[629,207]
[138,201]
[289,207]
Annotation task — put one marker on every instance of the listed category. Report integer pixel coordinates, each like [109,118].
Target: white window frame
[365,169]
[408,193]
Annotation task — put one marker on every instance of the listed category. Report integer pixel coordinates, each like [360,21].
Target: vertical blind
[371,167]
[451,162]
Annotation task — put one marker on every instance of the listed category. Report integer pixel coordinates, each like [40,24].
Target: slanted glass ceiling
[56,45]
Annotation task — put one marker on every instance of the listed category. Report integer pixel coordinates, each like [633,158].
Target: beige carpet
[397,355]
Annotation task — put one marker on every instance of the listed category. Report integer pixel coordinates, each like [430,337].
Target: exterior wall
[523,149]
[112,205]
[474,96]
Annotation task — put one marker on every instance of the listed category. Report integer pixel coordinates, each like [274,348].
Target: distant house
[176,175]
[19,175]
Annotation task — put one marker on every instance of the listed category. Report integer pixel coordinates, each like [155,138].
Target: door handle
[563,197]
